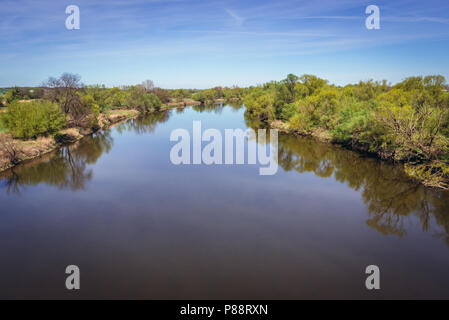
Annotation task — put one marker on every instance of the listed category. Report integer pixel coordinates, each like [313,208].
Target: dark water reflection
[389,194]
[217,232]
[63,168]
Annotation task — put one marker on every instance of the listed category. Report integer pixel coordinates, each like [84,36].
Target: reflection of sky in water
[120,210]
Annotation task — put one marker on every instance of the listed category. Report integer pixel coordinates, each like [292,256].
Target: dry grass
[116,115]
[322,135]
[13,151]
[9,150]
[73,133]
[281,126]
[35,148]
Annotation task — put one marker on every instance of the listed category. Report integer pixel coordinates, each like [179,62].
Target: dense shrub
[301,122]
[139,99]
[2,122]
[32,119]
[162,94]
[260,104]
[234,93]
[406,122]
[199,96]
[90,112]
[288,111]
[13,94]
[117,98]
[100,95]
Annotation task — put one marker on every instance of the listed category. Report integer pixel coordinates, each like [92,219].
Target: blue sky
[199,44]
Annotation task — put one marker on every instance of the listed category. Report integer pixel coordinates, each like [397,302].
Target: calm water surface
[140,227]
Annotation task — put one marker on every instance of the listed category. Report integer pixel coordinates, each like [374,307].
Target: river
[139,226]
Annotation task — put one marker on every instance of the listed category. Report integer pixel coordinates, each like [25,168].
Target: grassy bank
[15,151]
[38,120]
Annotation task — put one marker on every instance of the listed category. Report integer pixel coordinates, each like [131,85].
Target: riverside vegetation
[34,121]
[407,122]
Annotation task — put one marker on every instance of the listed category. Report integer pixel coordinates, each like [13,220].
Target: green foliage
[302,122]
[288,111]
[32,119]
[138,98]
[12,95]
[433,174]
[354,123]
[368,90]
[117,98]
[211,94]
[294,88]
[199,96]
[310,84]
[99,94]
[413,122]
[181,94]
[323,105]
[92,110]
[17,93]
[3,127]
[234,93]
[406,122]
[259,104]
[162,94]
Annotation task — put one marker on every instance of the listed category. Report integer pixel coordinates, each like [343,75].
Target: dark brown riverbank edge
[427,174]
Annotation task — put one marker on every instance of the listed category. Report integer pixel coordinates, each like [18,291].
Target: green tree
[117,98]
[100,94]
[32,119]
[260,104]
[139,99]
[199,96]
[13,94]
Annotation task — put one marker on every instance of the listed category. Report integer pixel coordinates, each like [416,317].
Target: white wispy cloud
[238,19]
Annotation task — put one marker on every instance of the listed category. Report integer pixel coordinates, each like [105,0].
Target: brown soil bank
[14,151]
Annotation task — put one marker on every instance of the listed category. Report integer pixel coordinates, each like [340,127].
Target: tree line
[407,122]
[66,102]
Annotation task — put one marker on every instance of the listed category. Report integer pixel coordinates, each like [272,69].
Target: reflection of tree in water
[144,124]
[66,168]
[180,110]
[254,123]
[440,213]
[216,108]
[389,194]
[235,105]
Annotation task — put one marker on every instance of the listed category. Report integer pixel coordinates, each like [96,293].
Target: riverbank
[431,174]
[16,151]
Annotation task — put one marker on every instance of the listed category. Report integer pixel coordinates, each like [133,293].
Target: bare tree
[63,90]
[148,85]
[9,148]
